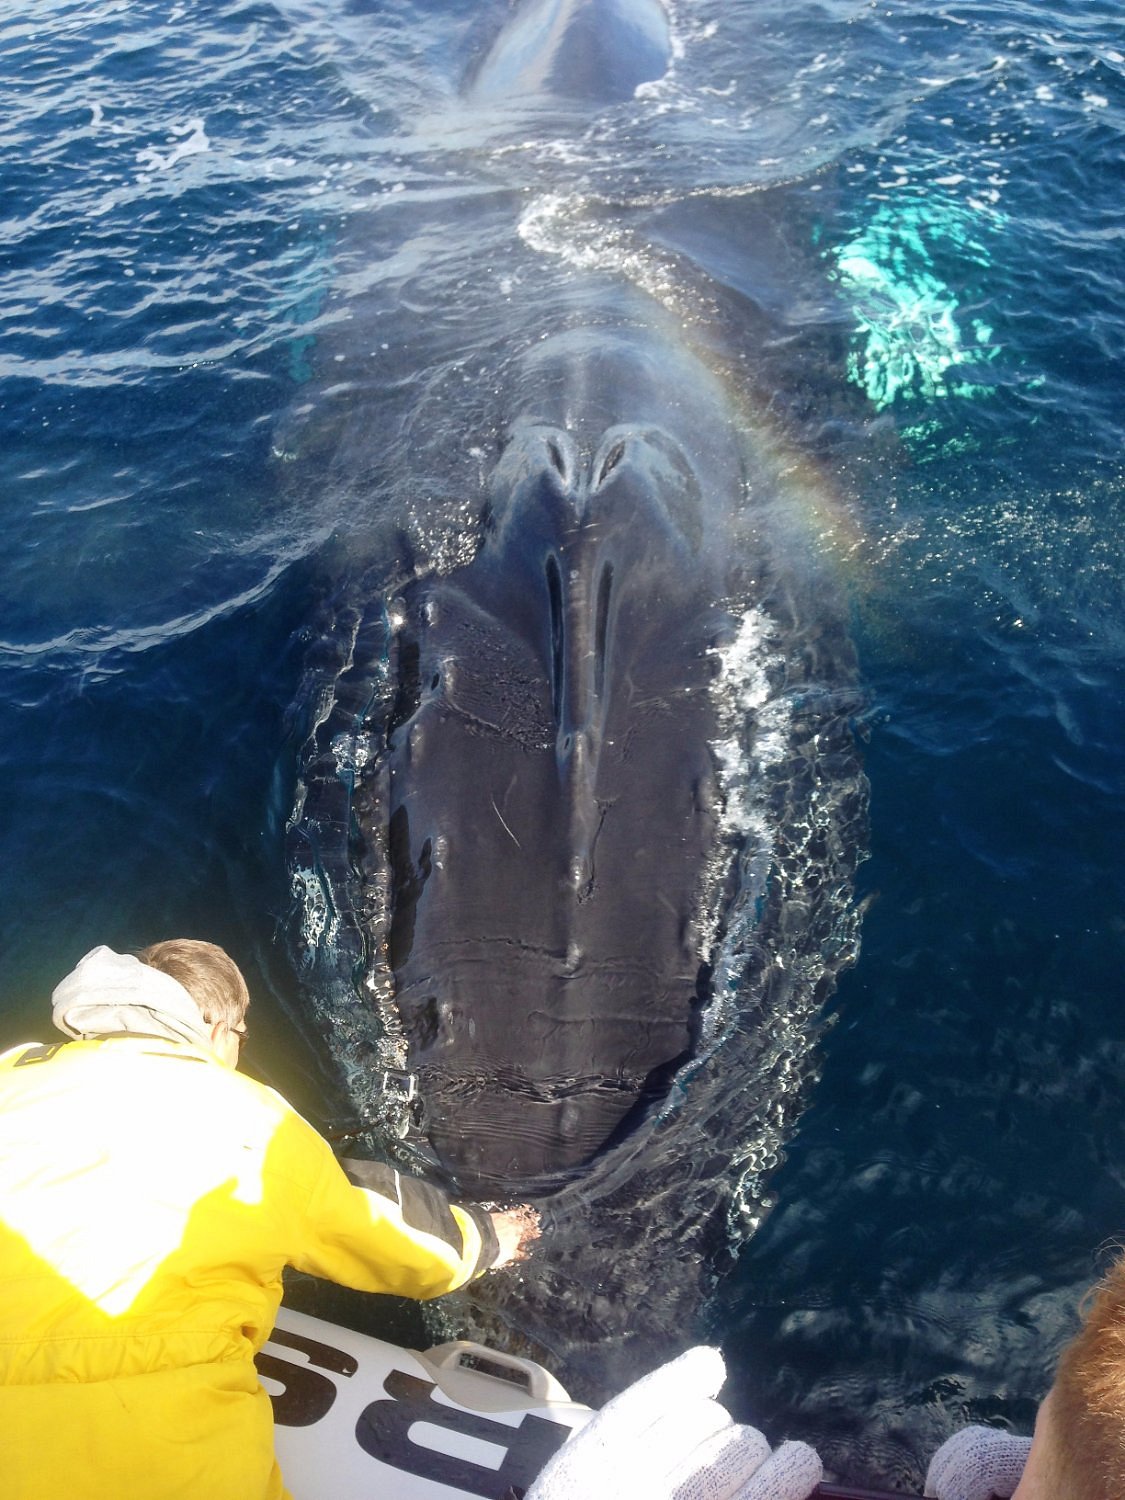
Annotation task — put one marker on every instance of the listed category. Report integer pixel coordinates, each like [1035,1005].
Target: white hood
[111,992]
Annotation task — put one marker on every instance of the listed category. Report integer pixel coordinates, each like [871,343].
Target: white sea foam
[195,141]
[755,725]
[744,695]
[318,924]
[556,224]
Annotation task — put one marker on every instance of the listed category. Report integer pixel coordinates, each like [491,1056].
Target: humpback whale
[579,802]
[551,788]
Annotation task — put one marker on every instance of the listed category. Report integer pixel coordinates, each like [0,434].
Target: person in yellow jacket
[150,1196]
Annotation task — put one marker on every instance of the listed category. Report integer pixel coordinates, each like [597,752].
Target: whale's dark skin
[551,793]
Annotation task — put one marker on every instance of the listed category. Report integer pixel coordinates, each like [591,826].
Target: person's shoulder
[263,1097]
[250,1089]
[294,1149]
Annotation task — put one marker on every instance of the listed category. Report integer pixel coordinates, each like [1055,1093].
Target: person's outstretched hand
[517,1229]
[666,1438]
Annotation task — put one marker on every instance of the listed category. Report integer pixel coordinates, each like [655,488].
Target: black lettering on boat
[388,1430]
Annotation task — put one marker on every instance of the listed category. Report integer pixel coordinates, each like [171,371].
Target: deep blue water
[925,199]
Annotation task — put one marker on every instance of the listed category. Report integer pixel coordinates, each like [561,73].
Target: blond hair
[210,976]
[1087,1415]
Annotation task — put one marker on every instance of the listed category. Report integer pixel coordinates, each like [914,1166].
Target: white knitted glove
[977,1463]
[666,1438]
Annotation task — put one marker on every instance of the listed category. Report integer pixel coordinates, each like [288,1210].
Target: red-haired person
[1078,1451]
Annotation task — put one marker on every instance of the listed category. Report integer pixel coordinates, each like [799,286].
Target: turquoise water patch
[305,274]
[914,342]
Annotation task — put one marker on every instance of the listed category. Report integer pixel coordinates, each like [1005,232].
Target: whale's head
[550,790]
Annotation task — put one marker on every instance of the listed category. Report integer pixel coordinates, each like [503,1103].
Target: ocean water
[907,220]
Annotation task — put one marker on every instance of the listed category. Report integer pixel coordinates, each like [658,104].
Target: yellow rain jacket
[149,1198]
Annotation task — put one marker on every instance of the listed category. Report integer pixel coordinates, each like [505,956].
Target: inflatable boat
[357,1417]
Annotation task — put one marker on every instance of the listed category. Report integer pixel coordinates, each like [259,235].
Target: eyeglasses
[240,1031]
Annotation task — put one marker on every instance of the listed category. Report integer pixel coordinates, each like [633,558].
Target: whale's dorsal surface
[550,796]
[592,51]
